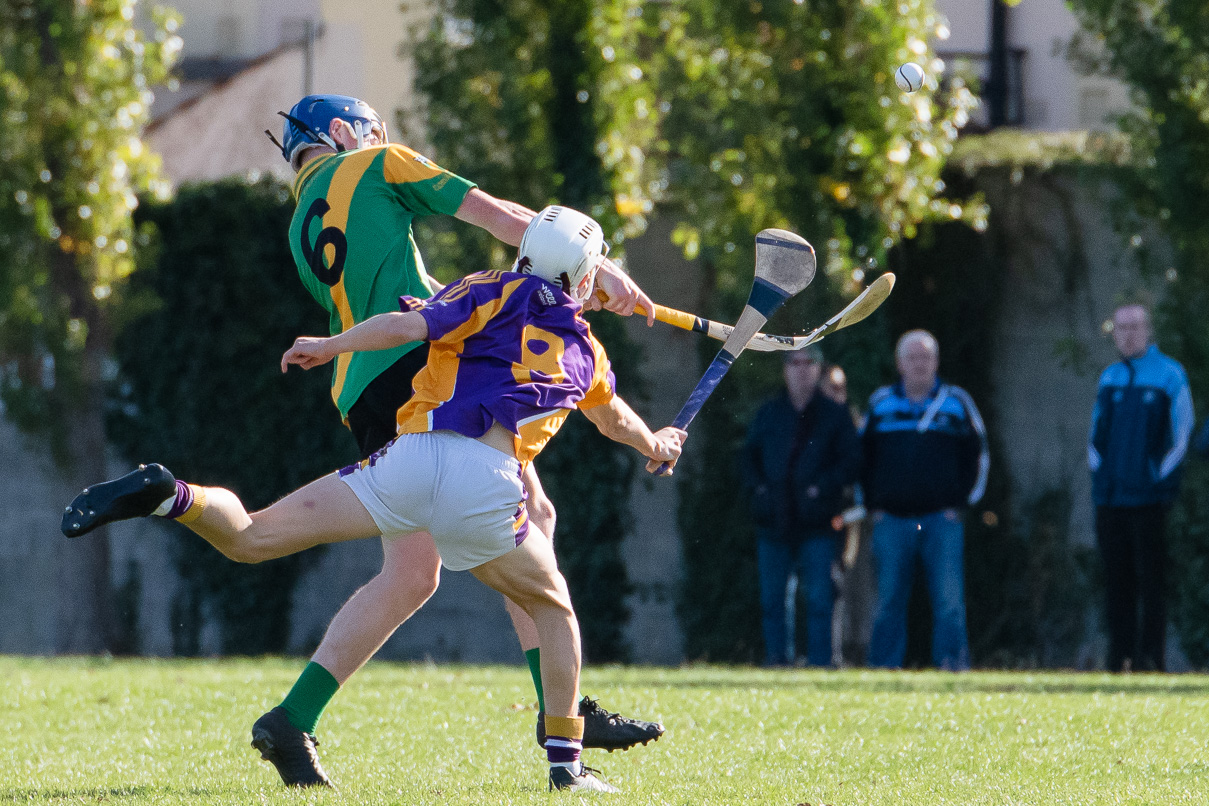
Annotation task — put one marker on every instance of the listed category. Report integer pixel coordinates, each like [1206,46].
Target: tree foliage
[785,114]
[1161,51]
[75,81]
[730,118]
[517,102]
[201,390]
[74,94]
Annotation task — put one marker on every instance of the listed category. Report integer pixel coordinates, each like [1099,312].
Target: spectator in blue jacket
[925,461]
[1140,428]
[800,456]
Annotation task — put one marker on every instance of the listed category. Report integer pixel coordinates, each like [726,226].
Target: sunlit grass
[177,732]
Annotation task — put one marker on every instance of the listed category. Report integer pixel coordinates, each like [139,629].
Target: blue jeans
[809,557]
[938,540]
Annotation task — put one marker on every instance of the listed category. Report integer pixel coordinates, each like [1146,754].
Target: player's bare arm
[381,332]
[620,423]
[505,220]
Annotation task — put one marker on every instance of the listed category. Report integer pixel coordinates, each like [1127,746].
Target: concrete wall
[1061,282]
[34,554]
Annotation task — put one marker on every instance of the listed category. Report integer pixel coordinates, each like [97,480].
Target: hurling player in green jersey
[352,242]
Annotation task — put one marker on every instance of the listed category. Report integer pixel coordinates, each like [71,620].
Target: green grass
[176,732]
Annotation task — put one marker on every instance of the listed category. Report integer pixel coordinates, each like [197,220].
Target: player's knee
[542,514]
[421,581]
[256,544]
[245,552]
[407,588]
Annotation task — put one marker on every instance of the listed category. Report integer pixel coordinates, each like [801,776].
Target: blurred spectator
[801,454]
[850,523]
[1139,435]
[1201,443]
[834,384]
[925,460]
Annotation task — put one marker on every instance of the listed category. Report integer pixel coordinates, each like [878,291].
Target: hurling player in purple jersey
[510,357]
[351,236]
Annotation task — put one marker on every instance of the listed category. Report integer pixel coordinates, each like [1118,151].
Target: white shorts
[467,495]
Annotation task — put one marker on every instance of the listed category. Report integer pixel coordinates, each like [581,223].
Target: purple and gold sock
[188,504]
[564,741]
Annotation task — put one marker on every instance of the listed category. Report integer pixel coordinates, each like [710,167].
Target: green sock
[309,696]
[534,657]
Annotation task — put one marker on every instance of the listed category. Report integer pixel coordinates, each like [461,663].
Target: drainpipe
[996,94]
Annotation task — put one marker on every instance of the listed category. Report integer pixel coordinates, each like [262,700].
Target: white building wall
[1056,97]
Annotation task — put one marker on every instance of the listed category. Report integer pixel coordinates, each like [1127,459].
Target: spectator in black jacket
[925,461]
[801,453]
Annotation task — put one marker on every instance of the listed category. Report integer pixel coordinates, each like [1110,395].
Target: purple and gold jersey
[351,240]
[505,348]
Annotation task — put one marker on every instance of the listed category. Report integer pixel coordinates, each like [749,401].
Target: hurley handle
[705,387]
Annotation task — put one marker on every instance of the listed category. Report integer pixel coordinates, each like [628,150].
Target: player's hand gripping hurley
[785,265]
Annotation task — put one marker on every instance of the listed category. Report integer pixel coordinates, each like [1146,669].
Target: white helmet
[562,246]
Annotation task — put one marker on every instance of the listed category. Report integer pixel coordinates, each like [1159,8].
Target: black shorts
[373,418]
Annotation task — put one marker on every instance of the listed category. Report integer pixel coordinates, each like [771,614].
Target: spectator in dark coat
[801,454]
[925,461]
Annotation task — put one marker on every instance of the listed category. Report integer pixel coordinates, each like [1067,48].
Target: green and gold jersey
[352,242]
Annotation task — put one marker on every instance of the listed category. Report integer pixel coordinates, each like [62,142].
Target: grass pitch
[177,732]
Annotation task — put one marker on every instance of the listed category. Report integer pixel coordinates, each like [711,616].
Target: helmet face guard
[309,122]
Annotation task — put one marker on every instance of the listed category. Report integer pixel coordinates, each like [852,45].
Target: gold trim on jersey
[600,391]
[306,172]
[462,287]
[340,192]
[535,432]
[435,384]
[404,165]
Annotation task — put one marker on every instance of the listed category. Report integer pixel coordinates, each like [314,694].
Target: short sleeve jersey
[352,243]
[505,348]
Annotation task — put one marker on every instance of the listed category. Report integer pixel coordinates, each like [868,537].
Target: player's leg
[410,573]
[603,729]
[529,577]
[541,514]
[324,511]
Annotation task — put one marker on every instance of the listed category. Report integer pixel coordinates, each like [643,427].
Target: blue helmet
[307,124]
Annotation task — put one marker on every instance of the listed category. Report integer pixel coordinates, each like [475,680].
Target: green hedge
[215,303]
